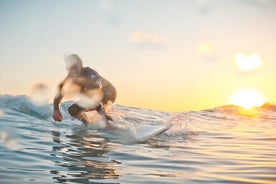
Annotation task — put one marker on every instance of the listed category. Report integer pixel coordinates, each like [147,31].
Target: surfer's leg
[74,110]
[77,112]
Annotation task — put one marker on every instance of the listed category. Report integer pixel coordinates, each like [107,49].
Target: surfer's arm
[57,114]
[57,101]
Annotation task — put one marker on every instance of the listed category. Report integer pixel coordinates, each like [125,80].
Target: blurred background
[164,55]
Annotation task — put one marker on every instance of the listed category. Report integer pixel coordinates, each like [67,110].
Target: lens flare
[247,98]
[248,63]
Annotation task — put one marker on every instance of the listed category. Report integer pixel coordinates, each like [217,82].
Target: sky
[167,55]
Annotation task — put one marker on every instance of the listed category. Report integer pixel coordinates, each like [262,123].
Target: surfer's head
[73,64]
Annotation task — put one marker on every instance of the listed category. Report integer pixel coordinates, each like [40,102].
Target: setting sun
[247,98]
[247,63]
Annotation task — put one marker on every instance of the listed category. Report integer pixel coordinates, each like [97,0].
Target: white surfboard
[146,132]
[134,134]
[124,133]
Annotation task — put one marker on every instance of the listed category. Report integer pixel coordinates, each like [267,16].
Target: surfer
[96,92]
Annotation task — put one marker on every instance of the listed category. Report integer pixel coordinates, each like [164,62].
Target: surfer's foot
[102,111]
[108,117]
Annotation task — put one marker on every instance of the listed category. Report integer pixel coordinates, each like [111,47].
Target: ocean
[221,145]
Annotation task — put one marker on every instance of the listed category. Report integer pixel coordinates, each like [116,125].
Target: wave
[23,104]
[132,115]
[222,137]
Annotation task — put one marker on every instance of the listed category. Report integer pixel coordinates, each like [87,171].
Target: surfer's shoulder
[88,72]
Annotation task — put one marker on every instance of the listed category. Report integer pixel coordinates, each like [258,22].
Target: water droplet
[40,94]
[2,113]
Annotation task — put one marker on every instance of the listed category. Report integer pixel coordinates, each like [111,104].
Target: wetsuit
[88,79]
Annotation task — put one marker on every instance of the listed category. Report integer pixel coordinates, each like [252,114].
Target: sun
[248,63]
[247,98]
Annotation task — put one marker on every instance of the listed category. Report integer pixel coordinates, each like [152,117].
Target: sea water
[221,145]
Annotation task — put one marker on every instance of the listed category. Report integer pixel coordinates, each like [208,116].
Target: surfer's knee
[110,93]
[74,110]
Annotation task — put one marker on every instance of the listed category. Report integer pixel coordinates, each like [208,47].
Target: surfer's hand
[57,115]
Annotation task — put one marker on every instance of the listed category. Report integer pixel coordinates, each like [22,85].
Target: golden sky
[165,55]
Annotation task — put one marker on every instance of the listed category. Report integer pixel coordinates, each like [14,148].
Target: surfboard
[124,132]
[132,134]
[147,132]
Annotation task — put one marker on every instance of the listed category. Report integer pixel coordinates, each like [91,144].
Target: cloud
[147,39]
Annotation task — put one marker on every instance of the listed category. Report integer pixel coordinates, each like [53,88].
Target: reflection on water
[82,158]
[221,145]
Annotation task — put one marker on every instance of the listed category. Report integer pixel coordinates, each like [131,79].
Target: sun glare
[247,63]
[247,98]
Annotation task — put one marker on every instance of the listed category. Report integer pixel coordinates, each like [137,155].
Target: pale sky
[169,55]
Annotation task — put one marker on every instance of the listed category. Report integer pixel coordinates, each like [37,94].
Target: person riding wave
[95,91]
